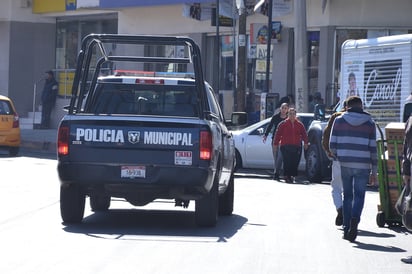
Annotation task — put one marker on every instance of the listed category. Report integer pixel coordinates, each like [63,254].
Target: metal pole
[217,47]
[241,78]
[301,53]
[34,102]
[269,42]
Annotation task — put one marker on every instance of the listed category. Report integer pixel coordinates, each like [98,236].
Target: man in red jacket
[289,137]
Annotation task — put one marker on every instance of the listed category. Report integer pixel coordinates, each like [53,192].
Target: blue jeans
[336,184]
[278,161]
[354,183]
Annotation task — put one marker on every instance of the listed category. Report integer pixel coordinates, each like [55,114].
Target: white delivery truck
[378,70]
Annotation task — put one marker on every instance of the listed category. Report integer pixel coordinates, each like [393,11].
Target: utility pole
[241,57]
[301,63]
[217,44]
[269,42]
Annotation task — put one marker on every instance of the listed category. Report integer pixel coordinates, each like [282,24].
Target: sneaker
[339,217]
[353,230]
[276,177]
[407,260]
[288,179]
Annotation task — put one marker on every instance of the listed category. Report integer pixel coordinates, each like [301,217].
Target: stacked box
[395,133]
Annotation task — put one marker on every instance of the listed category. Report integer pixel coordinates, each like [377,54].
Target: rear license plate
[133,172]
[183,158]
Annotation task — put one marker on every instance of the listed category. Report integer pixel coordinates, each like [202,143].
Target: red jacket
[289,133]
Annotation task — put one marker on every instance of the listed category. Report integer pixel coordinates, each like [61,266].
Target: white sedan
[251,152]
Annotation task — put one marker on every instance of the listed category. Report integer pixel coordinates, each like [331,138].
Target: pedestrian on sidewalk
[289,136]
[406,166]
[353,144]
[274,122]
[48,99]
[336,182]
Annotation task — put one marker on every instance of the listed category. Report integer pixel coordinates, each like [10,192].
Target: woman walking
[288,138]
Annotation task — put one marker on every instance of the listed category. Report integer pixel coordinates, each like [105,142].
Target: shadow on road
[128,223]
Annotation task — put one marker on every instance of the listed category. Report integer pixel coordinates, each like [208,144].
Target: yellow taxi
[9,126]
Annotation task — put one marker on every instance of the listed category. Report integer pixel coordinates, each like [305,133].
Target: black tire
[14,151]
[227,198]
[99,202]
[380,219]
[72,202]
[313,164]
[206,208]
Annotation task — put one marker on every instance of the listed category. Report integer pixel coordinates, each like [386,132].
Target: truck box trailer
[379,71]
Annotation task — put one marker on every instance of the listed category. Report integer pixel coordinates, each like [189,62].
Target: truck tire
[313,164]
[226,199]
[72,202]
[206,208]
[99,202]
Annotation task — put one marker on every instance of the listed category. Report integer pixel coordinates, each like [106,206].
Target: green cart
[390,180]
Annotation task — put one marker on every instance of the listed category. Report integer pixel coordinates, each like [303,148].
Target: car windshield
[5,108]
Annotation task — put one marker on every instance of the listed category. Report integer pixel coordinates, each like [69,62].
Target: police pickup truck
[141,135]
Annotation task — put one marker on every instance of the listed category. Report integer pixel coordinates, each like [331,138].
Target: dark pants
[291,158]
[45,115]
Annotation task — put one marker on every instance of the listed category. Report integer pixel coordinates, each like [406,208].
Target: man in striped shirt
[353,144]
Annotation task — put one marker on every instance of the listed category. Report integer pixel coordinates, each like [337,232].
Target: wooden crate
[395,132]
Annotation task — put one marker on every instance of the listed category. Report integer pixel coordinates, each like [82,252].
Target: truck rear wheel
[99,202]
[226,199]
[72,202]
[313,164]
[206,208]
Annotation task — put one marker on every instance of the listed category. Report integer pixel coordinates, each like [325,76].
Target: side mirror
[239,119]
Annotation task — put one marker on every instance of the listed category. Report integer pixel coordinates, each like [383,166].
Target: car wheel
[72,202]
[226,199]
[13,151]
[380,219]
[206,208]
[99,202]
[313,164]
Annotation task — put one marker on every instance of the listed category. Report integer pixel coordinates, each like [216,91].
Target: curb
[40,146]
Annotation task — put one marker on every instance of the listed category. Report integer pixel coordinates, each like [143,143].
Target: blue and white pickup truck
[141,135]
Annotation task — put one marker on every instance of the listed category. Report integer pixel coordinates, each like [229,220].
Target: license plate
[133,172]
[183,158]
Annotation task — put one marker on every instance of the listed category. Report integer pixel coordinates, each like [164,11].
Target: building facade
[46,34]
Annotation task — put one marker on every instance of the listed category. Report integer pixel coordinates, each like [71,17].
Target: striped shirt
[353,140]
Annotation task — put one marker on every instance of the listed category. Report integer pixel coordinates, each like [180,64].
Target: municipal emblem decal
[133,137]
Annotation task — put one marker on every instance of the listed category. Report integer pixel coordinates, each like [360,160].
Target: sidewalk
[42,140]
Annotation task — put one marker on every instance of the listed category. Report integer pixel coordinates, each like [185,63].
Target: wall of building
[32,52]
[370,13]
[4,58]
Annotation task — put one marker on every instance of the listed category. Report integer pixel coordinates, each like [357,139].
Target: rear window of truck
[133,99]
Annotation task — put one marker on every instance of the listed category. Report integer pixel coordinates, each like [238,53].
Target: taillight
[16,122]
[205,145]
[63,141]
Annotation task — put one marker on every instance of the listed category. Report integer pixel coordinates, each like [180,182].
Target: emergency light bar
[122,72]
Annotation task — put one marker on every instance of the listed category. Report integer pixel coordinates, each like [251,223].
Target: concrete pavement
[42,140]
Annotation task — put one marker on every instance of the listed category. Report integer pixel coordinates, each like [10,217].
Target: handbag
[404,206]
[407,212]
[400,203]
